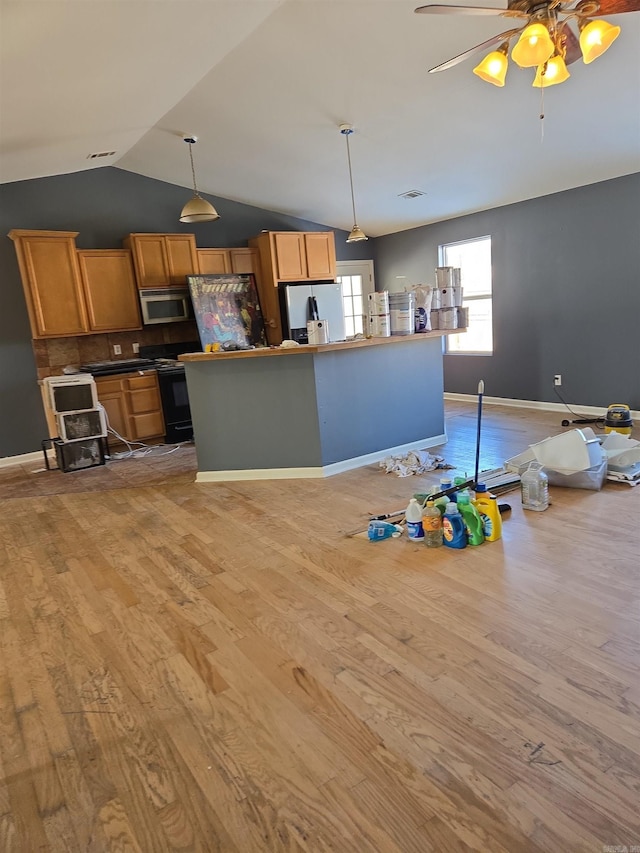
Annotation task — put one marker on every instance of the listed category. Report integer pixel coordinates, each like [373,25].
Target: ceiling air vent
[100,154]
[411,194]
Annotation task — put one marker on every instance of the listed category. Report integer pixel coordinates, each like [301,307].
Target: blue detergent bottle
[454,530]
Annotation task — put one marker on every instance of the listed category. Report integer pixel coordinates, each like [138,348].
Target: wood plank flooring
[217,667]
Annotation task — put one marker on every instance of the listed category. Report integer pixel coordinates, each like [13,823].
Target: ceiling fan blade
[472,50]
[571,45]
[616,7]
[436,9]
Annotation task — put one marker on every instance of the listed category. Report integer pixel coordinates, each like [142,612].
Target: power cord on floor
[579,419]
[135,449]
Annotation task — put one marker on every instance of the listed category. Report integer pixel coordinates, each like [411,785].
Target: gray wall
[566,278]
[103,205]
[566,274]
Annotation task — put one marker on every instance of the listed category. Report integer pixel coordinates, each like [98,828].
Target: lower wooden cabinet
[133,405]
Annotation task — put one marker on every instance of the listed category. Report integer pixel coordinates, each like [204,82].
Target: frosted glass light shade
[356,235]
[552,72]
[493,68]
[198,209]
[534,47]
[595,38]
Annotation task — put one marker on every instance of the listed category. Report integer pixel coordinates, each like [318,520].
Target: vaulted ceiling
[264,84]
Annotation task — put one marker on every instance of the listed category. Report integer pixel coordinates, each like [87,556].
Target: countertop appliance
[304,301]
[165,305]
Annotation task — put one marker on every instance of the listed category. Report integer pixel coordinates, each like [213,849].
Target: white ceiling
[264,84]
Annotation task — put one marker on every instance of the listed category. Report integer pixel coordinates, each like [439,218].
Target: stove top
[124,365]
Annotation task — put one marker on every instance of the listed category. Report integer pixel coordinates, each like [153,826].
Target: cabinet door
[245,260]
[182,257]
[211,261]
[150,259]
[110,289]
[111,395]
[145,406]
[51,280]
[321,254]
[290,256]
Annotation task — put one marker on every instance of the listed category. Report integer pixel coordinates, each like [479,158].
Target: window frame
[477,297]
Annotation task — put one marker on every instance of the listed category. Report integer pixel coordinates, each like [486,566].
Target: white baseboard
[23,459]
[534,404]
[320,471]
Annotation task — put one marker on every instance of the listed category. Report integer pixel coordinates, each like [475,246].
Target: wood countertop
[302,349]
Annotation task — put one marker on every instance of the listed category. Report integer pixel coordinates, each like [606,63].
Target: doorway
[356,278]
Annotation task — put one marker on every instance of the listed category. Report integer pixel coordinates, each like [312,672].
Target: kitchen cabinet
[75,292]
[109,288]
[163,260]
[290,256]
[242,260]
[133,405]
[52,282]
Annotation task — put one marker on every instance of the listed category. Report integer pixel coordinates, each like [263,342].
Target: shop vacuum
[616,419]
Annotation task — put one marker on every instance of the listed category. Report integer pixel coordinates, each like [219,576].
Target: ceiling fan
[547,38]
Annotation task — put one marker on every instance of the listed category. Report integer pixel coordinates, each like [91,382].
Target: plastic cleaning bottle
[534,488]
[432,525]
[457,481]
[487,506]
[383,530]
[472,519]
[413,517]
[454,532]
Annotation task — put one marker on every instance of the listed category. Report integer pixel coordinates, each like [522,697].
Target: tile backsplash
[54,354]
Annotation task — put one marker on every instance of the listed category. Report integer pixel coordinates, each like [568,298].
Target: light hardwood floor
[219,668]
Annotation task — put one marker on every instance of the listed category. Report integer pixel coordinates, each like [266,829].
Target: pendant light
[197,209]
[357,233]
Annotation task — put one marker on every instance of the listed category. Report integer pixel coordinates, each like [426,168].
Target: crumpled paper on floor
[414,462]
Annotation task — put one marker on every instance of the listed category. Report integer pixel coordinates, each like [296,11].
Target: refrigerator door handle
[313,308]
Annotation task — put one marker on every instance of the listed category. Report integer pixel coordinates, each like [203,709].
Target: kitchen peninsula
[313,411]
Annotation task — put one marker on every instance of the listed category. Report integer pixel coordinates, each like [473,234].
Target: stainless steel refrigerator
[304,301]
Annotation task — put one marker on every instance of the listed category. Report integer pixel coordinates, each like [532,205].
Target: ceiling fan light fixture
[493,68]
[356,234]
[534,47]
[551,72]
[197,209]
[595,38]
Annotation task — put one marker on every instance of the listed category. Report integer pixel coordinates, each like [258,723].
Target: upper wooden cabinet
[163,260]
[297,255]
[71,292]
[110,289]
[241,260]
[51,279]
[290,256]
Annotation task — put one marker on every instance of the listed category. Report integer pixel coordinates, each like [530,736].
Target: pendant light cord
[353,202]
[193,171]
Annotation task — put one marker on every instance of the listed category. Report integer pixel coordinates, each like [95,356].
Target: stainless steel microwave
[165,305]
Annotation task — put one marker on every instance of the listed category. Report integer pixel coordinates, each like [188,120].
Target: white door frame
[365,268]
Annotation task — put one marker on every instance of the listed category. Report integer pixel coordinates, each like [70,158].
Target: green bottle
[472,520]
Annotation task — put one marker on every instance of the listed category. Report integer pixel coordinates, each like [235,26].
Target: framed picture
[227,310]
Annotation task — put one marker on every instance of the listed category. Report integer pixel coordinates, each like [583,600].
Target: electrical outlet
[557,379]
[117,349]
[135,347]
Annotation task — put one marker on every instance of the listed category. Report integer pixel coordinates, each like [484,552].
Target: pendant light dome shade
[493,68]
[553,71]
[356,233]
[595,38]
[197,209]
[534,47]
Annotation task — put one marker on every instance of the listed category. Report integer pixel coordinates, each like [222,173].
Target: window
[356,278]
[473,257]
